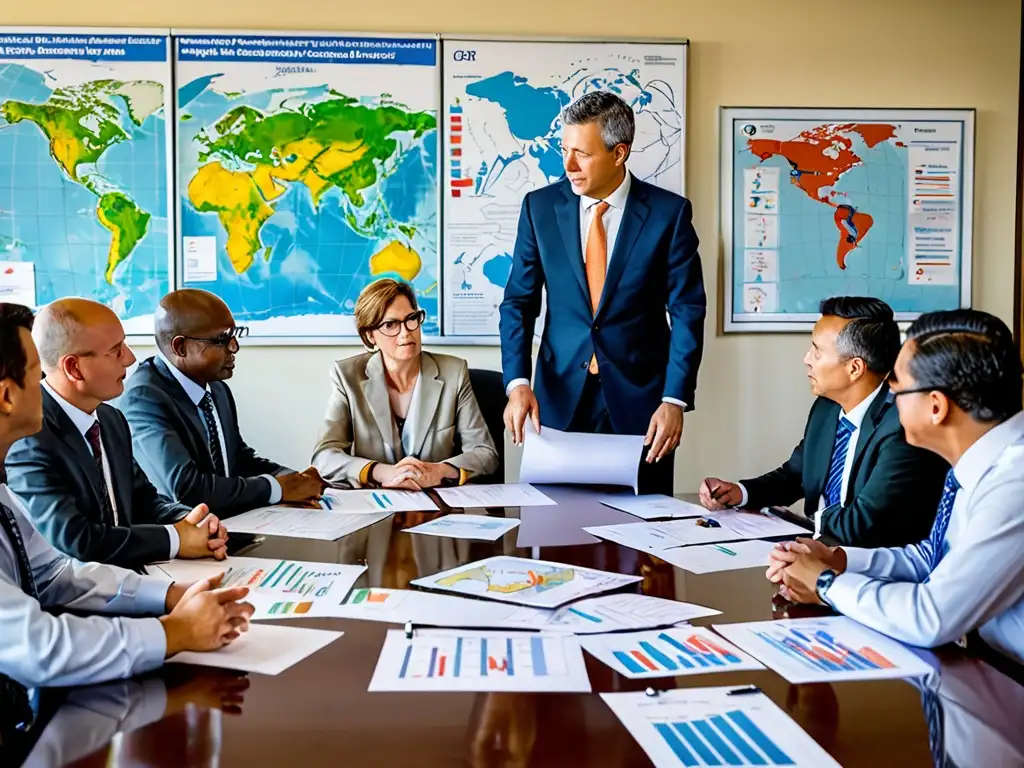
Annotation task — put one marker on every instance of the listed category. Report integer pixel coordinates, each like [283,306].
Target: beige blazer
[359,428]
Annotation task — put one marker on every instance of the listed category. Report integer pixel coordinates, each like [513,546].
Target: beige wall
[752,395]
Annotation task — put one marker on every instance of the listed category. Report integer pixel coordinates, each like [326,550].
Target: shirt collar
[83,421]
[194,391]
[859,411]
[986,451]
[616,199]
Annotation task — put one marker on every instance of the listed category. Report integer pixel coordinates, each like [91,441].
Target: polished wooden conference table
[319,713]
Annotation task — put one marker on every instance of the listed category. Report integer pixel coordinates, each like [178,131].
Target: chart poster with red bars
[824,650]
[464,660]
[833,202]
[668,653]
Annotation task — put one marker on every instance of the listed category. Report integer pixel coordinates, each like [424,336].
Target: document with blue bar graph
[825,650]
[668,652]
[707,726]
[464,660]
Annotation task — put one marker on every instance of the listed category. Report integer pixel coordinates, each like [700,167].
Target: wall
[752,395]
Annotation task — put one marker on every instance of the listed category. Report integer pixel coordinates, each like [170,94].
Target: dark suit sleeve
[897,504]
[248,463]
[38,478]
[780,487]
[687,307]
[521,304]
[160,448]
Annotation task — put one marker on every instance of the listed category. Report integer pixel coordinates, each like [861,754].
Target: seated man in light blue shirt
[957,384]
[40,649]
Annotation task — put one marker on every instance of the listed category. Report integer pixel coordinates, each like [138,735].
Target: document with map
[536,583]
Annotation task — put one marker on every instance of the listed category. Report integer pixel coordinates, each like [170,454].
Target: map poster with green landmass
[503,101]
[306,169]
[828,202]
[85,167]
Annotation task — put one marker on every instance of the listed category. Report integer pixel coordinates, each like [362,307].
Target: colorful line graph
[286,576]
[729,739]
[819,650]
[668,654]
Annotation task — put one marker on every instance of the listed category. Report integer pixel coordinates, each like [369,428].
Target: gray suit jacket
[54,473]
[359,427]
[172,445]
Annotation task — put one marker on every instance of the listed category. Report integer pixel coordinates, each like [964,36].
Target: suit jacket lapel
[121,473]
[882,403]
[818,452]
[424,406]
[375,390]
[629,229]
[567,213]
[188,408]
[73,439]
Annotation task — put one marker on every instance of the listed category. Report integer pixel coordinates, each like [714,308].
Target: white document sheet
[18,283]
[611,613]
[377,501]
[267,649]
[733,525]
[460,526]
[535,583]
[654,506]
[558,457]
[668,653]
[712,558]
[301,523]
[501,495]
[824,650]
[467,660]
[707,726]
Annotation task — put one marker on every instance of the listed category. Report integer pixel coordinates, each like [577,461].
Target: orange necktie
[596,262]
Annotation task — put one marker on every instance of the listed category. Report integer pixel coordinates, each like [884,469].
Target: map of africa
[845,207]
[307,183]
[503,137]
[83,178]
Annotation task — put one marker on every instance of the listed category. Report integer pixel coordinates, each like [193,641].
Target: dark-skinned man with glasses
[184,420]
[78,477]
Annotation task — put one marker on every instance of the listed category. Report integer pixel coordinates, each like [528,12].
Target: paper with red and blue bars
[667,653]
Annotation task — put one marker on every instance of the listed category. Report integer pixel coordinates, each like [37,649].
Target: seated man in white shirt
[957,383]
[39,649]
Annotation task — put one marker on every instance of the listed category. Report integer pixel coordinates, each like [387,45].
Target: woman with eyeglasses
[397,415]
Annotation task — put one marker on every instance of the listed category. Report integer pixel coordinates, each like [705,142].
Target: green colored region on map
[250,159]
[541,581]
[127,224]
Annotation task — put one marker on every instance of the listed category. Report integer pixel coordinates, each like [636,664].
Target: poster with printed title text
[307,168]
[85,168]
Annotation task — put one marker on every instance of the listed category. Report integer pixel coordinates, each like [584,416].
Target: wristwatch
[824,582]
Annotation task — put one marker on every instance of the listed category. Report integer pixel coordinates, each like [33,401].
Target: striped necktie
[834,484]
[216,452]
[935,544]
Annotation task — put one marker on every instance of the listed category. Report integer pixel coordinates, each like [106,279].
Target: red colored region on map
[818,158]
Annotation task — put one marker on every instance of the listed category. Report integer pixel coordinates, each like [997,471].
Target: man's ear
[6,397]
[178,346]
[71,369]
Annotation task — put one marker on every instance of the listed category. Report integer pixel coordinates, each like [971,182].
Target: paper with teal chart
[497,495]
[466,660]
[535,583]
[502,139]
[617,612]
[266,649]
[307,168]
[299,523]
[654,506]
[85,167]
[708,727]
[668,653]
[712,558]
[380,500]
[831,202]
[827,649]
[461,526]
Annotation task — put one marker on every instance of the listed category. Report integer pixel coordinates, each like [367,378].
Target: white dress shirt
[612,219]
[83,423]
[978,584]
[195,393]
[856,418]
[39,649]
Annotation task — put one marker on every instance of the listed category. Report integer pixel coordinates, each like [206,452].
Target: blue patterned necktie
[834,483]
[206,404]
[936,539]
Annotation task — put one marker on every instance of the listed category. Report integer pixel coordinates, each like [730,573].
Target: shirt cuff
[366,473]
[842,595]
[275,489]
[858,560]
[516,383]
[674,401]
[151,595]
[172,534]
[153,644]
[744,496]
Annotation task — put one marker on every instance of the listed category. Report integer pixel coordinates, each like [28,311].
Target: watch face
[825,581]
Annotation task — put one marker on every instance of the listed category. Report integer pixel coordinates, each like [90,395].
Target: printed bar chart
[369,596]
[820,650]
[286,576]
[668,652]
[730,739]
[289,608]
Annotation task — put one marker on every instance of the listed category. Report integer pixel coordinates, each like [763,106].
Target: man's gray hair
[55,333]
[611,113]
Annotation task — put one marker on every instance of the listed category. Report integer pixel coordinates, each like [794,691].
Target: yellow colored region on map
[396,257]
[532,580]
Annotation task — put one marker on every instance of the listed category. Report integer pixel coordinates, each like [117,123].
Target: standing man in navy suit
[624,327]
